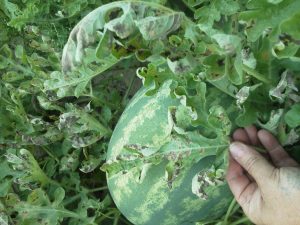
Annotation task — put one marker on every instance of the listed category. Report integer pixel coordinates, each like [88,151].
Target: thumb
[252,161]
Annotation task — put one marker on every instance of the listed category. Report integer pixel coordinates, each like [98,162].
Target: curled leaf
[205,179]
[285,87]
[152,20]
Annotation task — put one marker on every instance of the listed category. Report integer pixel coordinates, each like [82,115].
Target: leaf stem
[189,7]
[260,150]
[72,199]
[50,154]
[223,90]
[98,189]
[128,89]
[152,4]
[45,209]
[106,216]
[227,62]
[255,74]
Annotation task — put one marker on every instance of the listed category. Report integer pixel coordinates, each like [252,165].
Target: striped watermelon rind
[146,122]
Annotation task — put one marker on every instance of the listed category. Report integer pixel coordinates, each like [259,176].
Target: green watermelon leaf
[292,117]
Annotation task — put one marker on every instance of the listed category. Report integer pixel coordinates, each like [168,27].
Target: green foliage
[67,72]
[292,116]
[51,149]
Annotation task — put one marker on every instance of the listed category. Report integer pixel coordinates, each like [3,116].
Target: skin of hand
[267,190]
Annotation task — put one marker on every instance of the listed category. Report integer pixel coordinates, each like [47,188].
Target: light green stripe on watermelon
[180,201]
[146,123]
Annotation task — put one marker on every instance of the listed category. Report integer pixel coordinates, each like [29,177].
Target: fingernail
[236,149]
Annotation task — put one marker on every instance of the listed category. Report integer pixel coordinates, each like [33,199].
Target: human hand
[268,192]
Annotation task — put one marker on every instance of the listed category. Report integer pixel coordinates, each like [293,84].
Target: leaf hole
[220,62]
[113,14]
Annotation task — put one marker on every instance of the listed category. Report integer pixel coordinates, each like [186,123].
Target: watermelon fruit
[144,196]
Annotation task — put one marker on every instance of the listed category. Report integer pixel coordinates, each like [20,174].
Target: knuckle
[244,201]
[277,148]
[251,163]
[275,175]
[254,212]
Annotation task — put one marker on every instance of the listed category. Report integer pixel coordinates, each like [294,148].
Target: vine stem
[240,221]
[75,197]
[98,189]
[106,216]
[117,217]
[229,211]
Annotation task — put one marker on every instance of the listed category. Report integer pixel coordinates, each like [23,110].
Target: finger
[241,135]
[240,185]
[253,203]
[248,135]
[236,178]
[252,134]
[252,161]
[278,155]
[247,198]
[234,169]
